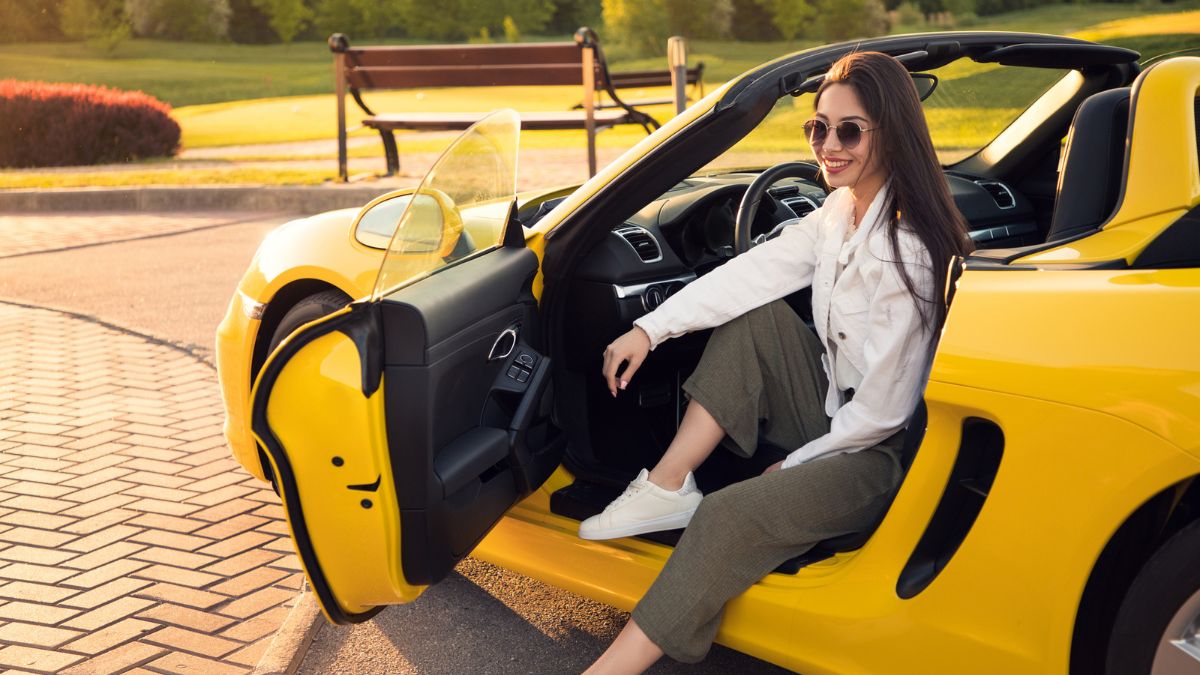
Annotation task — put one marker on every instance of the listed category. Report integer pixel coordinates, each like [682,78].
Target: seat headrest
[1093,163]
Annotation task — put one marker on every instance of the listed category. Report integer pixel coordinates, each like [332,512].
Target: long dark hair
[918,192]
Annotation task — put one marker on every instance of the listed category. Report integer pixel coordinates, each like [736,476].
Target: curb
[290,644]
[305,199]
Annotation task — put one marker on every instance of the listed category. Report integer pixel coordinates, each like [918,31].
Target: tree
[638,25]
[286,17]
[789,16]
[846,19]
[102,23]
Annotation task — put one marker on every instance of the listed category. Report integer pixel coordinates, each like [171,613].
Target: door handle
[505,342]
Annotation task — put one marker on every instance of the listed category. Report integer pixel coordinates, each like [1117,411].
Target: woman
[876,255]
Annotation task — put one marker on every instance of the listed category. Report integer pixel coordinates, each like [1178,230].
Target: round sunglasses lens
[816,131]
[849,134]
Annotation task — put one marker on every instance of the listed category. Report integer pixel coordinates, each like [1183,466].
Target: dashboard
[689,230]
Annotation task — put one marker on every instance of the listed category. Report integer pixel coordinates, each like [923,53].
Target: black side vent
[643,243]
[999,192]
[966,491]
[801,205]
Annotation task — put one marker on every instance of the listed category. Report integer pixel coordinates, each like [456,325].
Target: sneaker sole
[671,522]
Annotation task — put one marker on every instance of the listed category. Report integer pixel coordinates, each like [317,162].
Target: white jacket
[868,315]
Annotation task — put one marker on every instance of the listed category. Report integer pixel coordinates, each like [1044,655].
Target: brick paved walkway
[128,535]
[37,233]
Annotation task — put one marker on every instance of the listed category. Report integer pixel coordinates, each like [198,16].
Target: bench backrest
[463,66]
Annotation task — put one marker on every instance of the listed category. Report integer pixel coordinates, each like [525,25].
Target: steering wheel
[742,240]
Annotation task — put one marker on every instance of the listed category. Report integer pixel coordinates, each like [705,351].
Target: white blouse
[870,323]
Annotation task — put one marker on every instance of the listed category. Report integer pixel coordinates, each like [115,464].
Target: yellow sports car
[1049,520]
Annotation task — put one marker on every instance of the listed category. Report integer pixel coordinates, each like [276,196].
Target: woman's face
[857,166]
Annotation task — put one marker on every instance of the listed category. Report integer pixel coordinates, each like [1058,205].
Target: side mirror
[926,83]
[431,224]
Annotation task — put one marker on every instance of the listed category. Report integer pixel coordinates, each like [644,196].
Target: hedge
[43,124]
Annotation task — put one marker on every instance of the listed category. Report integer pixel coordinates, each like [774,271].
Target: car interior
[1061,181]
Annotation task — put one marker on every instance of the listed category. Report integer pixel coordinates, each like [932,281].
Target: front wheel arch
[280,304]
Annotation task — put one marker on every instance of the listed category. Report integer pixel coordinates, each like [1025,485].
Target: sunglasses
[849,133]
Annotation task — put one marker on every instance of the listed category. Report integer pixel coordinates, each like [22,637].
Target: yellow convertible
[1049,520]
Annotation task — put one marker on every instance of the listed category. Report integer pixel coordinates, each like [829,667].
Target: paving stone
[42,593]
[17,656]
[34,635]
[180,663]
[251,655]
[36,573]
[117,660]
[175,575]
[107,638]
[35,612]
[206,622]
[256,602]
[32,554]
[192,641]
[117,588]
[102,556]
[190,597]
[99,521]
[108,613]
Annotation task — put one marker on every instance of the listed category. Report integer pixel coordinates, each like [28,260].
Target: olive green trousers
[761,376]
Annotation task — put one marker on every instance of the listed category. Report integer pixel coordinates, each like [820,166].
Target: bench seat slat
[466,55]
[570,119]
[403,77]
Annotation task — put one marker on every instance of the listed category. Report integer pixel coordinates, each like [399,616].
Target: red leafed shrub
[44,124]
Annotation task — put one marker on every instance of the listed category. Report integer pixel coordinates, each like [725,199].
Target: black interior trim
[975,469]
[1059,55]
[1177,246]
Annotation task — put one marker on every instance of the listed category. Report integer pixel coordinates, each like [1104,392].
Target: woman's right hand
[631,348]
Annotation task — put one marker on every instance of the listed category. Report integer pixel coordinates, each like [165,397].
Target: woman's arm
[896,353]
[766,272]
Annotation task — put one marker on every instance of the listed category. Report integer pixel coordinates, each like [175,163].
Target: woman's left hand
[774,467]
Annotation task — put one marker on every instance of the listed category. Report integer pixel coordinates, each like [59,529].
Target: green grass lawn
[248,95]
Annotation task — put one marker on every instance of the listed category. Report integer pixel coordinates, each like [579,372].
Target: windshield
[461,206]
[972,104]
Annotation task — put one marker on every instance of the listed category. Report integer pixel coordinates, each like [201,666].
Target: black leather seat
[1093,165]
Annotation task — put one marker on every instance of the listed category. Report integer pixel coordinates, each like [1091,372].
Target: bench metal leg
[390,151]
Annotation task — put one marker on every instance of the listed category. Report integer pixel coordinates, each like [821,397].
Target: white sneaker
[644,507]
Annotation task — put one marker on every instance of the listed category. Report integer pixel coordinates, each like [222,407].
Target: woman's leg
[698,435]
[631,652]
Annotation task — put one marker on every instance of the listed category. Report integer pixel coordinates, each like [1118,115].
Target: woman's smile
[834,166]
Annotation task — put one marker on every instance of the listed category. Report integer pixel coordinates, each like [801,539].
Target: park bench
[358,69]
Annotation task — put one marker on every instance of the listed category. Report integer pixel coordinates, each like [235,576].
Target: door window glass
[461,206]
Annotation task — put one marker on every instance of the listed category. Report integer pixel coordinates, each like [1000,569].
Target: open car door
[400,429]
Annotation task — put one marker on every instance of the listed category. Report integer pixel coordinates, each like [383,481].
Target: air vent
[643,243]
[801,205]
[999,192]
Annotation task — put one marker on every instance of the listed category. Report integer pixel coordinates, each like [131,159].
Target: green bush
[752,22]
[639,26]
[845,19]
[909,14]
[248,24]
[286,17]
[790,17]
[569,15]
[191,20]
[102,23]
